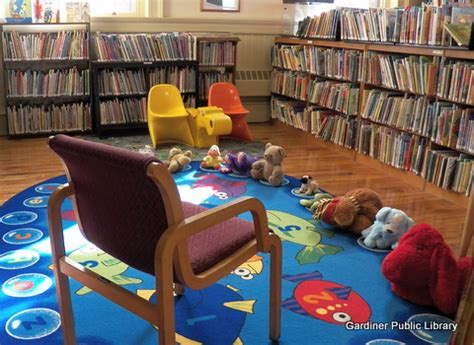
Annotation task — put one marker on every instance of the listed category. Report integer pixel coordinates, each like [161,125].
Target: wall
[256,24]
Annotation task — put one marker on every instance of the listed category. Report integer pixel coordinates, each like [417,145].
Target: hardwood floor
[29,161]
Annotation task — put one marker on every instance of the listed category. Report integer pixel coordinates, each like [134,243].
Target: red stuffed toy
[423,270]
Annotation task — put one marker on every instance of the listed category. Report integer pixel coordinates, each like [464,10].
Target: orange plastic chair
[226,96]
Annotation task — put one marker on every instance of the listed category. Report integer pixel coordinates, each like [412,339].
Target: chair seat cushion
[210,246]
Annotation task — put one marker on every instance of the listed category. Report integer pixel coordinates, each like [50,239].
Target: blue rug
[328,280]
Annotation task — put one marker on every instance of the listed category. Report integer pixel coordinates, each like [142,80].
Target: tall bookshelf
[126,66]
[47,78]
[386,132]
[217,56]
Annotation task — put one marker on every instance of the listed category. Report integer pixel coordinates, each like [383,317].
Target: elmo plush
[423,270]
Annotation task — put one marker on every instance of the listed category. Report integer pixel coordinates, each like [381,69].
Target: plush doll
[147,150]
[213,160]
[390,224]
[423,270]
[239,164]
[177,159]
[355,211]
[309,186]
[313,203]
[269,168]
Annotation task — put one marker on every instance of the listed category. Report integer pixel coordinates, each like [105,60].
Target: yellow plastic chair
[167,116]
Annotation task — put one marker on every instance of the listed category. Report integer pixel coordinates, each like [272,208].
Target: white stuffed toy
[308,186]
[390,224]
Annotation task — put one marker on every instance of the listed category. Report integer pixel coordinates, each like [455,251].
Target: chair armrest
[55,220]
[172,245]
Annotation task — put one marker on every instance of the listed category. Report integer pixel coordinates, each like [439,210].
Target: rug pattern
[328,280]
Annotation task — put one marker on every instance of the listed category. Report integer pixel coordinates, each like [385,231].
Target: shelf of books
[409,112]
[126,66]
[47,78]
[217,56]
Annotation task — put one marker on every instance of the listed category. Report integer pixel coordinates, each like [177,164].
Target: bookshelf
[217,56]
[126,66]
[47,78]
[412,120]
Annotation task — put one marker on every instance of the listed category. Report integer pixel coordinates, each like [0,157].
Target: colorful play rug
[330,283]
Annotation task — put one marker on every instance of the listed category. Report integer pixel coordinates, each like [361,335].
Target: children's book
[18,11]
[77,12]
[461,33]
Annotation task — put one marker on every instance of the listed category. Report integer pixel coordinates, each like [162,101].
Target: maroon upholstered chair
[128,205]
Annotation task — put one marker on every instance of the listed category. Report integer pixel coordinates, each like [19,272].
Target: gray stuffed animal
[390,224]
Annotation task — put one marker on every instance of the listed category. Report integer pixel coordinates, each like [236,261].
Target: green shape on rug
[300,231]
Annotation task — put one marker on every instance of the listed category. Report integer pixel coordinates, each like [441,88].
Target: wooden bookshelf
[217,72]
[387,48]
[32,109]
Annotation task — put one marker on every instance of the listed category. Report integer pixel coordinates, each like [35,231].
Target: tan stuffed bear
[177,159]
[269,168]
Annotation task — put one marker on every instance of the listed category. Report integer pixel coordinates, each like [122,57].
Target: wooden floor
[29,161]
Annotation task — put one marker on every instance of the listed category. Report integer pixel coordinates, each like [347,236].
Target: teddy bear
[390,224]
[309,186]
[269,168]
[355,211]
[423,270]
[177,159]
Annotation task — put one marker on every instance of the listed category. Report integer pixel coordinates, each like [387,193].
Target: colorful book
[18,11]
[461,33]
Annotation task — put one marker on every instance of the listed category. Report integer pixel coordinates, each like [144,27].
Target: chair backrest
[165,99]
[120,208]
[224,95]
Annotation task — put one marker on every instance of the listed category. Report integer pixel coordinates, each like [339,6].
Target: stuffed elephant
[390,224]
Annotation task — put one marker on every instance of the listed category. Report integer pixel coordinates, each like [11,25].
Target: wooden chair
[128,205]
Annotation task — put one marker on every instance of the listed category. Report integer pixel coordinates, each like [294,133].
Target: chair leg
[165,305]
[65,307]
[275,287]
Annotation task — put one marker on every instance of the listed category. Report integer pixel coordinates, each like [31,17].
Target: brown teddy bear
[177,159]
[355,211]
[269,168]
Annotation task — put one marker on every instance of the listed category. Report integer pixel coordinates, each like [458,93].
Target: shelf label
[437,52]
[148,63]
[309,41]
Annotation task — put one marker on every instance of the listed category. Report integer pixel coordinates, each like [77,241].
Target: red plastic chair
[226,96]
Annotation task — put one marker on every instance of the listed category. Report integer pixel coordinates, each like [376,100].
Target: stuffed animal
[423,270]
[240,164]
[313,203]
[390,224]
[213,160]
[269,168]
[355,211]
[177,159]
[147,150]
[308,186]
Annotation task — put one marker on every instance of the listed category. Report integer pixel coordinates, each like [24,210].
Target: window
[123,8]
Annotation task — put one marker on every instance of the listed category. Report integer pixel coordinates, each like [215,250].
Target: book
[77,12]
[18,11]
[461,33]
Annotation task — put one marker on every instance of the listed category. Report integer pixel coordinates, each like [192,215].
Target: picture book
[461,33]
[18,11]
[77,12]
